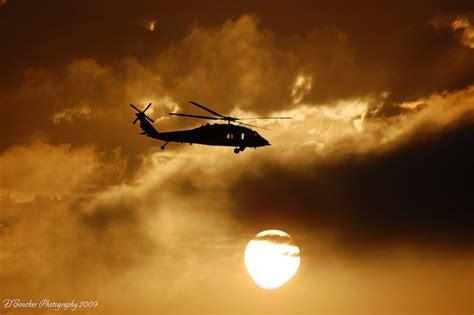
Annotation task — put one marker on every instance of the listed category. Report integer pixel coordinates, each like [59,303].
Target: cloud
[69,114]
[235,64]
[464,25]
[112,236]
[399,181]
[43,169]
[85,103]
[301,87]
[152,25]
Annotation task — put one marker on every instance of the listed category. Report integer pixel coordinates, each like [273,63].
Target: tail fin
[145,125]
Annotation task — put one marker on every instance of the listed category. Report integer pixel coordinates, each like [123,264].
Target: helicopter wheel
[164,145]
[236,150]
[241,149]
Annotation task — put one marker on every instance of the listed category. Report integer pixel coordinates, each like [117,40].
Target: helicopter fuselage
[213,134]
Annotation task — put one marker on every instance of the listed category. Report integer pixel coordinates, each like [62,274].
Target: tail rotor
[141,114]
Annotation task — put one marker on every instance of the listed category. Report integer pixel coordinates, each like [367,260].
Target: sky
[372,176]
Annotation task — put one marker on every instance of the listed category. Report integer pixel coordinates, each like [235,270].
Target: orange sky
[371,177]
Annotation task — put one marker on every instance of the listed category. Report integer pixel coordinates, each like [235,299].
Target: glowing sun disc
[272,258]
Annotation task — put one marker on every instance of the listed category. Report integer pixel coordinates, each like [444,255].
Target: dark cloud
[415,194]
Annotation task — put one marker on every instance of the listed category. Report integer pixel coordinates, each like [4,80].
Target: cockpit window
[242,136]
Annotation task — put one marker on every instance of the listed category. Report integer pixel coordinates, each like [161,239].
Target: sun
[272,258]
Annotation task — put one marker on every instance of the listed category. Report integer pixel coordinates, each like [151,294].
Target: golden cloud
[464,25]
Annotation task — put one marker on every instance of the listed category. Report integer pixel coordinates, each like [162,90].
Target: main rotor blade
[135,108]
[147,107]
[250,118]
[251,125]
[206,109]
[195,116]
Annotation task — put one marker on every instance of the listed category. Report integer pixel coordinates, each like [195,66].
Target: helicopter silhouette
[220,134]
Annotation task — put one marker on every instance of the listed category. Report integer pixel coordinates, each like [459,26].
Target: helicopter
[231,134]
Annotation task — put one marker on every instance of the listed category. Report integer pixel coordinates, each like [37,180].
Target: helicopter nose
[265,142]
